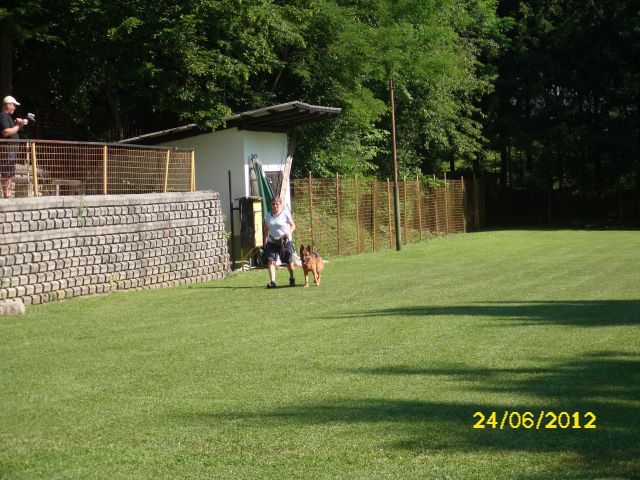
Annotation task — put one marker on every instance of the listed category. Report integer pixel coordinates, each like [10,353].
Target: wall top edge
[44,203]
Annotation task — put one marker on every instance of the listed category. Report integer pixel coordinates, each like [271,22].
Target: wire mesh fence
[40,167]
[346,216]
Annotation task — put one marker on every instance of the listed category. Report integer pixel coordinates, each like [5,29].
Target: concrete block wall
[54,248]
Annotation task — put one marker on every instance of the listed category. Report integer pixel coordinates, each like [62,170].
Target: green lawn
[375,374]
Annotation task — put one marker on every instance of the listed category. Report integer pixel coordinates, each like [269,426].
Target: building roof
[277,118]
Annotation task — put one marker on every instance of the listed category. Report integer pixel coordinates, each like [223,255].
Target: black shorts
[284,250]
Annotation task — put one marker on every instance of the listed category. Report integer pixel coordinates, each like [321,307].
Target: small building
[228,151]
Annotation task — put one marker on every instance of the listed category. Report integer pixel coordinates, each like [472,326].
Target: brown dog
[311,262]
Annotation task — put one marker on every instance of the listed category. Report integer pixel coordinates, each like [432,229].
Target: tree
[147,65]
[567,97]
[150,64]
[433,50]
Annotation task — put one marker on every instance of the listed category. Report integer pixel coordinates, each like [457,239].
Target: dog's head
[305,253]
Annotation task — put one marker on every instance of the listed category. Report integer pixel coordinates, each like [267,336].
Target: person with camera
[9,130]
[278,244]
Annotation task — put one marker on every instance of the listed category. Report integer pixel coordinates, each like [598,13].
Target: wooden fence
[347,216]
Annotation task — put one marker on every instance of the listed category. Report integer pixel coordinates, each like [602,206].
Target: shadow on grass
[605,383]
[592,227]
[585,313]
[208,286]
[613,375]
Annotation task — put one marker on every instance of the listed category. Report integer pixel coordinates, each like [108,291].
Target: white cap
[10,99]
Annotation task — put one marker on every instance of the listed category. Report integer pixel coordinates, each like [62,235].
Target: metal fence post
[311,209]
[34,167]
[404,196]
[104,169]
[374,210]
[338,211]
[166,172]
[446,203]
[436,205]
[389,211]
[355,187]
[193,170]
[419,198]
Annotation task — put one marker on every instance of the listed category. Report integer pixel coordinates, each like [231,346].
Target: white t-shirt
[278,225]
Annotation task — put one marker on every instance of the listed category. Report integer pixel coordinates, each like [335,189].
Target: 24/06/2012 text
[530,420]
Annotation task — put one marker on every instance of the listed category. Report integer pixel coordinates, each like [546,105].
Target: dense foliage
[148,64]
[544,93]
[566,110]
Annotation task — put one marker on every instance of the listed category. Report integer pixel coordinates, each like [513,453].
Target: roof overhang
[176,133]
[280,118]
[277,118]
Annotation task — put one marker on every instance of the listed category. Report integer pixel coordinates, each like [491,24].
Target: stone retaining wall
[54,248]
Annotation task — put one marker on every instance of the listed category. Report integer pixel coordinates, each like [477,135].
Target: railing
[45,167]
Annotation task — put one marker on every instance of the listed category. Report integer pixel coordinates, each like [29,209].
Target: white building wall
[218,152]
[271,149]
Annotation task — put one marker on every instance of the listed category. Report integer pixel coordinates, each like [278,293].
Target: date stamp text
[542,420]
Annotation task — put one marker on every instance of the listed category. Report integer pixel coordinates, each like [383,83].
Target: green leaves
[567,98]
[126,28]
[432,49]
[153,64]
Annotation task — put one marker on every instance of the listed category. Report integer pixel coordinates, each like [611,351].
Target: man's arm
[7,130]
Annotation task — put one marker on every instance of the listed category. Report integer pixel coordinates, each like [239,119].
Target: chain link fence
[43,167]
[347,216]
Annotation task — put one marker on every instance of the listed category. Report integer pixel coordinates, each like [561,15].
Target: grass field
[375,374]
